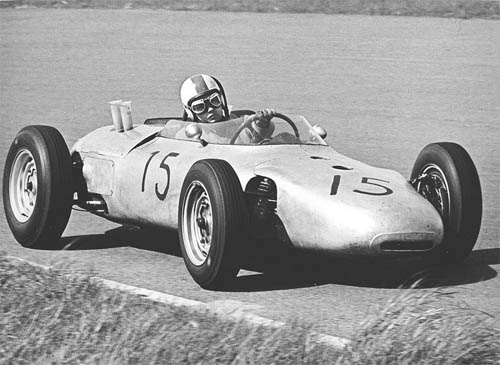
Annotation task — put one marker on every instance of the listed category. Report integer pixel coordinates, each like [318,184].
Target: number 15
[364,180]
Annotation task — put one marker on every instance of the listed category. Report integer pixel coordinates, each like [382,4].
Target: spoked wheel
[212,223]
[445,175]
[37,186]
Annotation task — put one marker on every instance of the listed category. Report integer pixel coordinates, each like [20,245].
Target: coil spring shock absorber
[262,205]
[262,198]
[266,203]
[266,187]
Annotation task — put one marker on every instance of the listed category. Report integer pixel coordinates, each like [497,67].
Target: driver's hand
[264,116]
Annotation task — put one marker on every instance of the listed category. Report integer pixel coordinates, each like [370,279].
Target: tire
[452,186]
[212,223]
[37,187]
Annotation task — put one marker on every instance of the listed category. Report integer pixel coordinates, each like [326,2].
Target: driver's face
[212,115]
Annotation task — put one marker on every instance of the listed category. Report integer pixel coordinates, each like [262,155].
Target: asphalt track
[382,86]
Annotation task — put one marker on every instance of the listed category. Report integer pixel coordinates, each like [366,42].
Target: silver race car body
[322,200]
[241,186]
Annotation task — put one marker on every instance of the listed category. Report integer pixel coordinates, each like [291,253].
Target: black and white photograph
[250,182]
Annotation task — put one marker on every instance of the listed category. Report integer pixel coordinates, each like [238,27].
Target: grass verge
[49,316]
[436,8]
[425,327]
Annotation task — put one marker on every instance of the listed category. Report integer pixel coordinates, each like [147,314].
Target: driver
[204,101]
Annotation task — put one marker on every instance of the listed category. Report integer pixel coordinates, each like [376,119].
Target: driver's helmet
[198,86]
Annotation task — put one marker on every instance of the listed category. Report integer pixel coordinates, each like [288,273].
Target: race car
[223,194]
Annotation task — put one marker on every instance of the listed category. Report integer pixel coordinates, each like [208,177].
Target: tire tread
[463,226]
[54,199]
[233,227]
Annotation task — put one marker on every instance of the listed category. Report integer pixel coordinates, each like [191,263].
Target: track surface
[382,86]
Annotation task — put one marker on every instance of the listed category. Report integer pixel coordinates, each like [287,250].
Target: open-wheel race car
[222,194]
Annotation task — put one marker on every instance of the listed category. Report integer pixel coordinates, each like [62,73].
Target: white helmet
[196,86]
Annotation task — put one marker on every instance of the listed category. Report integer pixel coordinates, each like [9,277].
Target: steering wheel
[250,120]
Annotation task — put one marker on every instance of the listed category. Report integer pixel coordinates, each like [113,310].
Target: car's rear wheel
[445,175]
[212,223]
[37,187]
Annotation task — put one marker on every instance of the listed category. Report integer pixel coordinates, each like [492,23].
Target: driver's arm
[261,127]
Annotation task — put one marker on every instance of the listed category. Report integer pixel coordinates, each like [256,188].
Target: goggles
[200,105]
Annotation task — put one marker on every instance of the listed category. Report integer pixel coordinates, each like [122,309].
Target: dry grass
[437,8]
[49,316]
[426,327]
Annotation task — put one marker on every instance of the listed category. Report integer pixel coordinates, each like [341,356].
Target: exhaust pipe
[121,112]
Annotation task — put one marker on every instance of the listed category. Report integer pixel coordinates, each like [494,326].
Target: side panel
[148,181]
[146,185]
[99,174]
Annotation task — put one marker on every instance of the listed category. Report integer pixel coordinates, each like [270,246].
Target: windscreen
[288,130]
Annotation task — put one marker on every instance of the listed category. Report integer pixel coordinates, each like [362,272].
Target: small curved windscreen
[292,130]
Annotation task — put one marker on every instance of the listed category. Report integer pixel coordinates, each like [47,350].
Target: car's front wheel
[445,175]
[37,186]
[212,223]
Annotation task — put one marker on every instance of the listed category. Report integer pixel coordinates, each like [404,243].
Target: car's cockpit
[293,129]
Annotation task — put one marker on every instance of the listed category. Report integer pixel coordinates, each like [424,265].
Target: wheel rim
[434,187]
[197,223]
[23,185]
